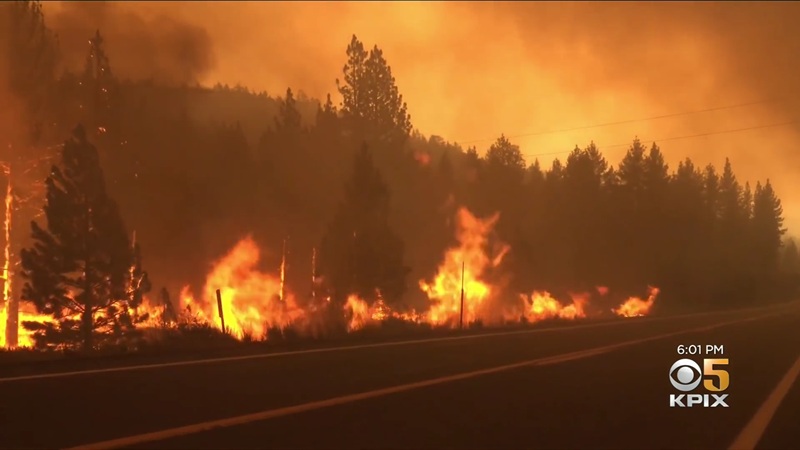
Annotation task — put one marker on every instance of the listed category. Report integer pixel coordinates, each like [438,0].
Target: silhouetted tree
[370,98]
[288,119]
[82,269]
[767,228]
[791,257]
[99,101]
[359,252]
[505,156]
[33,58]
[586,185]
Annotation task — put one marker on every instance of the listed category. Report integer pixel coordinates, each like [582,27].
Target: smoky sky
[473,70]
[141,46]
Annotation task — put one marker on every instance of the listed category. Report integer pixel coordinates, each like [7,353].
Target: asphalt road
[603,386]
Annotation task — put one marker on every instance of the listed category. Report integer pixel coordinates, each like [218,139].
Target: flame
[25,336]
[360,314]
[358,311]
[6,260]
[132,268]
[602,290]
[251,303]
[636,307]
[461,272]
[422,157]
[314,275]
[541,305]
[282,291]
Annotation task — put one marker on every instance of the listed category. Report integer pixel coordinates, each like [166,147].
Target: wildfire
[254,302]
[541,305]
[358,311]
[251,302]
[360,314]
[423,158]
[635,306]
[463,267]
[25,337]
[282,291]
[4,318]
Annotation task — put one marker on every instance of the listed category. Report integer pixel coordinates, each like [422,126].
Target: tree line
[195,169]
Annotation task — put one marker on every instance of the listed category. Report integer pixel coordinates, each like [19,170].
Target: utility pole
[219,309]
[461,319]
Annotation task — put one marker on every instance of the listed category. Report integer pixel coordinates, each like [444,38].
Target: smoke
[470,71]
[12,111]
[140,46]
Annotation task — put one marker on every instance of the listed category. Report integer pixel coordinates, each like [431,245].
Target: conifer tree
[81,270]
[360,252]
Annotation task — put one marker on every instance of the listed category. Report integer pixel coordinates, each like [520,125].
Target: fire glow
[253,302]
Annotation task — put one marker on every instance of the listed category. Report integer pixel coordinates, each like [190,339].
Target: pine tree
[632,173]
[730,198]
[288,119]
[82,270]
[33,50]
[504,155]
[327,116]
[99,88]
[791,257]
[585,202]
[767,228]
[360,252]
[370,98]
[747,202]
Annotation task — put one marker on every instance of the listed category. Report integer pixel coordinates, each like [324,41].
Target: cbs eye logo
[686,375]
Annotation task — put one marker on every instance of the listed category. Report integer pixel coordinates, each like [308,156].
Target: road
[590,386]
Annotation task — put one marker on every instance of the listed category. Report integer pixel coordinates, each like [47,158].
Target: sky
[544,74]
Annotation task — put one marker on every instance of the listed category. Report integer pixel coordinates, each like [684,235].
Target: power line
[675,138]
[621,122]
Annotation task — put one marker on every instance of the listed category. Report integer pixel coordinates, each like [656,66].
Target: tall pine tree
[360,253]
[370,98]
[82,269]
[99,89]
[767,228]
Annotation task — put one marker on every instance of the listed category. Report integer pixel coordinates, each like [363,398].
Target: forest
[124,189]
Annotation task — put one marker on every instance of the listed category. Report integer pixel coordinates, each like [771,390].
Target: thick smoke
[142,46]
[473,70]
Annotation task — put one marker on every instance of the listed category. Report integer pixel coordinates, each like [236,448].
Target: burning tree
[98,88]
[82,270]
[360,252]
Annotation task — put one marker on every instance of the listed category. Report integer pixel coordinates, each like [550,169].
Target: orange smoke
[463,266]
[251,302]
[636,307]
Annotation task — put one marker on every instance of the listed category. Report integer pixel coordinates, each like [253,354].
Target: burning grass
[258,309]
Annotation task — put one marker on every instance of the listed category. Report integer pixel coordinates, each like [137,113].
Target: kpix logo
[686,376]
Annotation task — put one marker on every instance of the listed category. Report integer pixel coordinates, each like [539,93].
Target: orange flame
[250,299]
[636,307]
[540,305]
[470,260]
[282,292]
[422,157]
[4,307]
[361,314]
[358,311]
